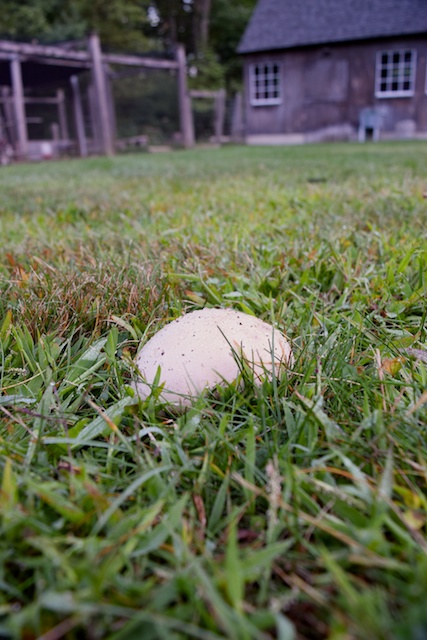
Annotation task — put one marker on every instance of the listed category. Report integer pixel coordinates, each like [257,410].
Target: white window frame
[268,80]
[399,68]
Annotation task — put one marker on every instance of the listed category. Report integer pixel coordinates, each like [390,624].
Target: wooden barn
[335,69]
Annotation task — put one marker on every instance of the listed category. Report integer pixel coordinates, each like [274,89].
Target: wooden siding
[325,88]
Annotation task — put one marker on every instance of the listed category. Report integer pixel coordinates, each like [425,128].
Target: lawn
[293,510]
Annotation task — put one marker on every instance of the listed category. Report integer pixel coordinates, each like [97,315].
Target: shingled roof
[283,24]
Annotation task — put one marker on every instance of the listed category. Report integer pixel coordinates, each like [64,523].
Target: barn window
[395,73]
[265,83]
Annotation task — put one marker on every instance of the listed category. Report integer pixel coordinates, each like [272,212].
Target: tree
[202,14]
[210,30]
[171,22]
[227,24]
[120,23]
[40,19]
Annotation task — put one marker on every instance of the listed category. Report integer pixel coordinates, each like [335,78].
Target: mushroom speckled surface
[202,349]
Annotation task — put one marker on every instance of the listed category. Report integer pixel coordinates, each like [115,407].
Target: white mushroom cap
[203,348]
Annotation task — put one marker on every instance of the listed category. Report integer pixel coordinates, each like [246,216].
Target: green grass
[294,510]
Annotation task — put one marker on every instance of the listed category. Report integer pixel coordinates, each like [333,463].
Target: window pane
[395,71]
[265,83]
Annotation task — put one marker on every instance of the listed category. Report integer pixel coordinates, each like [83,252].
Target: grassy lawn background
[297,510]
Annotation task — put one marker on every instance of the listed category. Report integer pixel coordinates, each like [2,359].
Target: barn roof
[283,24]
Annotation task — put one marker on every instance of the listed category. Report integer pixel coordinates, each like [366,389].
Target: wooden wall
[326,87]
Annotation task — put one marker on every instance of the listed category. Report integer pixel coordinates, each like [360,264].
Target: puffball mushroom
[203,348]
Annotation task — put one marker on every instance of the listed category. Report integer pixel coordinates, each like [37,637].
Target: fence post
[8,113]
[97,141]
[62,115]
[78,116]
[237,132]
[219,114]
[110,102]
[185,113]
[19,107]
[101,96]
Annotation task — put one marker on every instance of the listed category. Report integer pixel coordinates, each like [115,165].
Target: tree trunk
[203,12]
[173,30]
